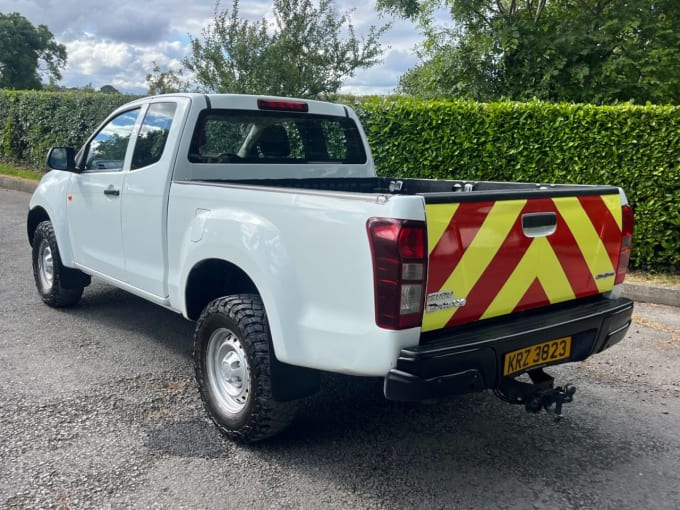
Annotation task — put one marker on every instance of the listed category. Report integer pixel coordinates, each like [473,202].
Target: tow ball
[541,393]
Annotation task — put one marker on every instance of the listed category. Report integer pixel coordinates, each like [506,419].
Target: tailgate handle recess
[539,224]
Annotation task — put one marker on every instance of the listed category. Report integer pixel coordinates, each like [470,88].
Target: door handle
[111,192]
[539,224]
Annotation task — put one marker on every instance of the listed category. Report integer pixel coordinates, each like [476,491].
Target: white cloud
[118,43]
[92,57]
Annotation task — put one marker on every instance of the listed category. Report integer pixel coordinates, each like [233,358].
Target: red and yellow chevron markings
[480,251]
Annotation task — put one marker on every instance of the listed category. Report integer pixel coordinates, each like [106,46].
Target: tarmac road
[99,409]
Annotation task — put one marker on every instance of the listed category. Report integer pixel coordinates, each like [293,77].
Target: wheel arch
[214,278]
[35,217]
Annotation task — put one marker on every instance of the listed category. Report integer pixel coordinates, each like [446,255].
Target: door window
[106,151]
[153,134]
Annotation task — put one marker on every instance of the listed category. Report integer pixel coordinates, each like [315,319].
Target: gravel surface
[99,409]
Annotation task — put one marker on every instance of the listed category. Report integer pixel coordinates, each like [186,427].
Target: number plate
[539,354]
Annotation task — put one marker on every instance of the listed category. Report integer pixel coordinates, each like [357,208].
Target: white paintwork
[308,255]
[144,215]
[50,195]
[306,251]
[94,221]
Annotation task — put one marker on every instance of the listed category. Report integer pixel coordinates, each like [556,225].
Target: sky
[116,43]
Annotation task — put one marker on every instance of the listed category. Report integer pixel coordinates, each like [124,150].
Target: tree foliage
[308,51]
[26,51]
[109,89]
[597,51]
[166,82]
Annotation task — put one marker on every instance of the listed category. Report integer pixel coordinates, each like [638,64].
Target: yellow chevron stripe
[438,218]
[540,262]
[477,257]
[613,203]
[588,240]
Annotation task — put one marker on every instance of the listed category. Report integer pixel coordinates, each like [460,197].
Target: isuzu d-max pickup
[263,219]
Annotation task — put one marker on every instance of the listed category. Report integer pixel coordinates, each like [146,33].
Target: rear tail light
[399,249]
[627,224]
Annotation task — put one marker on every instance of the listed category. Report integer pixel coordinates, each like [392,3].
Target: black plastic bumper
[471,358]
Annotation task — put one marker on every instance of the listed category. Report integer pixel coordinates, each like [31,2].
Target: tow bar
[539,394]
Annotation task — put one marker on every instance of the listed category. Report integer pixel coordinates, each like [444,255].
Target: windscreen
[257,137]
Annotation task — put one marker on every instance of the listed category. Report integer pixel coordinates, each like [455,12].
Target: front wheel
[233,369]
[49,273]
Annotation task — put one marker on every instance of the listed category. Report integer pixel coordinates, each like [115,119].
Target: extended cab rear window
[240,136]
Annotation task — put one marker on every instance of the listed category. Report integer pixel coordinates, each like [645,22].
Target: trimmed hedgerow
[31,121]
[635,147]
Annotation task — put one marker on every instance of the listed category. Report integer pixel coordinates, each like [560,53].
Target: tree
[598,51]
[26,51]
[166,82]
[109,89]
[308,52]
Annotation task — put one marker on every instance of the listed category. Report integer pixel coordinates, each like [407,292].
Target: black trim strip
[208,104]
[427,188]
[475,196]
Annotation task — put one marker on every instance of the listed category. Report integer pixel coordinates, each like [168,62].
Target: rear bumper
[470,359]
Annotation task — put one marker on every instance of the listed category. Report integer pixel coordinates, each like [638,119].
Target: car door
[144,200]
[94,199]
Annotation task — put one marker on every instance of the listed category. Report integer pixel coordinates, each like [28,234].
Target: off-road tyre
[233,369]
[49,273]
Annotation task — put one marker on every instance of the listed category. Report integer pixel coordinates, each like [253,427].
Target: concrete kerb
[17,184]
[649,293]
[645,292]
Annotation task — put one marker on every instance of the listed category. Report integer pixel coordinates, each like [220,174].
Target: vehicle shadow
[471,450]
[474,448]
[122,311]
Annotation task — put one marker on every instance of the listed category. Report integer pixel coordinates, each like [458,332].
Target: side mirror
[61,158]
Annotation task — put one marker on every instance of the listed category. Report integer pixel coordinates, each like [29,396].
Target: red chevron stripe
[533,297]
[610,233]
[501,267]
[457,237]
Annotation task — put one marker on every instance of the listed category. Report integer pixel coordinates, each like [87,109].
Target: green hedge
[31,122]
[635,147]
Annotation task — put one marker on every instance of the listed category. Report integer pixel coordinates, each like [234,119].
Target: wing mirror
[61,158]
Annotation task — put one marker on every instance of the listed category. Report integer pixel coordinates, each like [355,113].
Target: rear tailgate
[495,253]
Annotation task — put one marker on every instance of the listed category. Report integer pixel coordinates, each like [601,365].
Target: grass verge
[33,175]
[669,280]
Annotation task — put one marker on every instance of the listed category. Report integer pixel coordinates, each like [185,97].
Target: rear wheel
[233,369]
[57,285]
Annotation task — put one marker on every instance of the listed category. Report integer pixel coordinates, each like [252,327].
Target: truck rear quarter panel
[309,257]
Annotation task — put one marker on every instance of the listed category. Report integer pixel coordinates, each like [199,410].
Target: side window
[107,149]
[153,134]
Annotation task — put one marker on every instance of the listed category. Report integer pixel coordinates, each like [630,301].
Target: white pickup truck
[263,219]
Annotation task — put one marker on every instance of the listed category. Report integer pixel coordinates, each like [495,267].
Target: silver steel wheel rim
[228,371]
[45,265]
